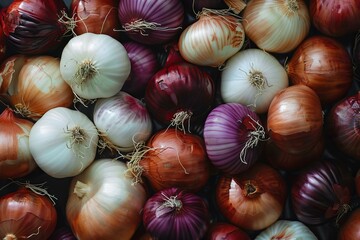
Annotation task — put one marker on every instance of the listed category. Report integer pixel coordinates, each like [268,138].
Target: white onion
[95,65]
[63,142]
[252,77]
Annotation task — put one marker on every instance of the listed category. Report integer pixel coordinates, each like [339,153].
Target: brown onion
[323,64]
[252,200]
[9,72]
[350,230]
[295,119]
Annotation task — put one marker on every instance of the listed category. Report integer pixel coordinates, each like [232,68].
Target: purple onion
[63,233]
[151,22]
[176,214]
[234,137]
[321,192]
[144,65]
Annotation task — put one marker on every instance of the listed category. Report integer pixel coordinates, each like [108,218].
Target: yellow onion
[9,72]
[236,5]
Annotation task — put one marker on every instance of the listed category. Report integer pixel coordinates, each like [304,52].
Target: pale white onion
[63,142]
[277,26]
[104,203]
[95,65]
[252,77]
[122,121]
[212,39]
[286,229]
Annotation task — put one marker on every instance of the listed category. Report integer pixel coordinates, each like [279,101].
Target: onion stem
[292,5]
[86,71]
[179,120]
[171,202]
[81,189]
[141,26]
[343,209]
[10,236]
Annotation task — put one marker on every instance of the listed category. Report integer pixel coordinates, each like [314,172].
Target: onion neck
[292,5]
[81,189]
[172,202]
[86,71]
[10,236]
[251,190]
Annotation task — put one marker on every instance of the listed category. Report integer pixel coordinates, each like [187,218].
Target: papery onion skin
[323,64]
[225,231]
[176,214]
[212,39]
[349,230]
[9,72]
[276,26]
[254,199]
[228,129]
[335,18]
[171,91]
[25,214]
[32,27]
[295,119]
[15,156]
[104,203]
[343,125]
[163,17]
[320,192]
[95,16]
[287,229]
[176,159]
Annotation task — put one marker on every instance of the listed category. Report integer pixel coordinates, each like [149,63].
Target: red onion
[175,214]
[226,231]
[170,94]
[151,22]
[144,65]
[62,233]
[35,26]
[343,125]
[350,229]
[321,192]
[233,136]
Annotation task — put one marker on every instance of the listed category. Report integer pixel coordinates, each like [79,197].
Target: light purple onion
[176,214]
[144,65]
[63,233]
[234,137]
[151,22]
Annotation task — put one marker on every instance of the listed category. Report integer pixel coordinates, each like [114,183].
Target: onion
[321,192]
[295,119]
[225,231]
[104,203]
[15,156]
[9,73]
[26,214]
[40,87]
[172,158]
[35,26]
[252,77]
[95,16]
[175,214]
[92,73]
[343,125]
[144,65]
[212,39]
[323,64]
[63,142]
[234,137]
[62,233]
[252,200]
[335,18]
[276,26]
[151,22]
[3,45]
[122,121]
[286,229]
[350,229]
[169,92]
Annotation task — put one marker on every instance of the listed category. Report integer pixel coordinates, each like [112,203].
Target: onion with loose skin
[252,77]
[225,231]
[15,156]
[9,72]
[323,64]
[212,39]
[176,214]
[254,199]
[25,214]
[349,230]
[276,26]
[343,125]
[104,203]
[40,87]
[295,119]
[335,18]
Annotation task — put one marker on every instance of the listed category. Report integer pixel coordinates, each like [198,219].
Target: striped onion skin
[234,137]
[151,22]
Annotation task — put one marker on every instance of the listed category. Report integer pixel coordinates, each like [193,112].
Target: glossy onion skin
[24,213]
[189,221]
[323,64]
[319,191]
[252,210]
[343,125]
[295,119]
[226,131]
[32,26]
[172,89]
[350,230]
[226,231]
